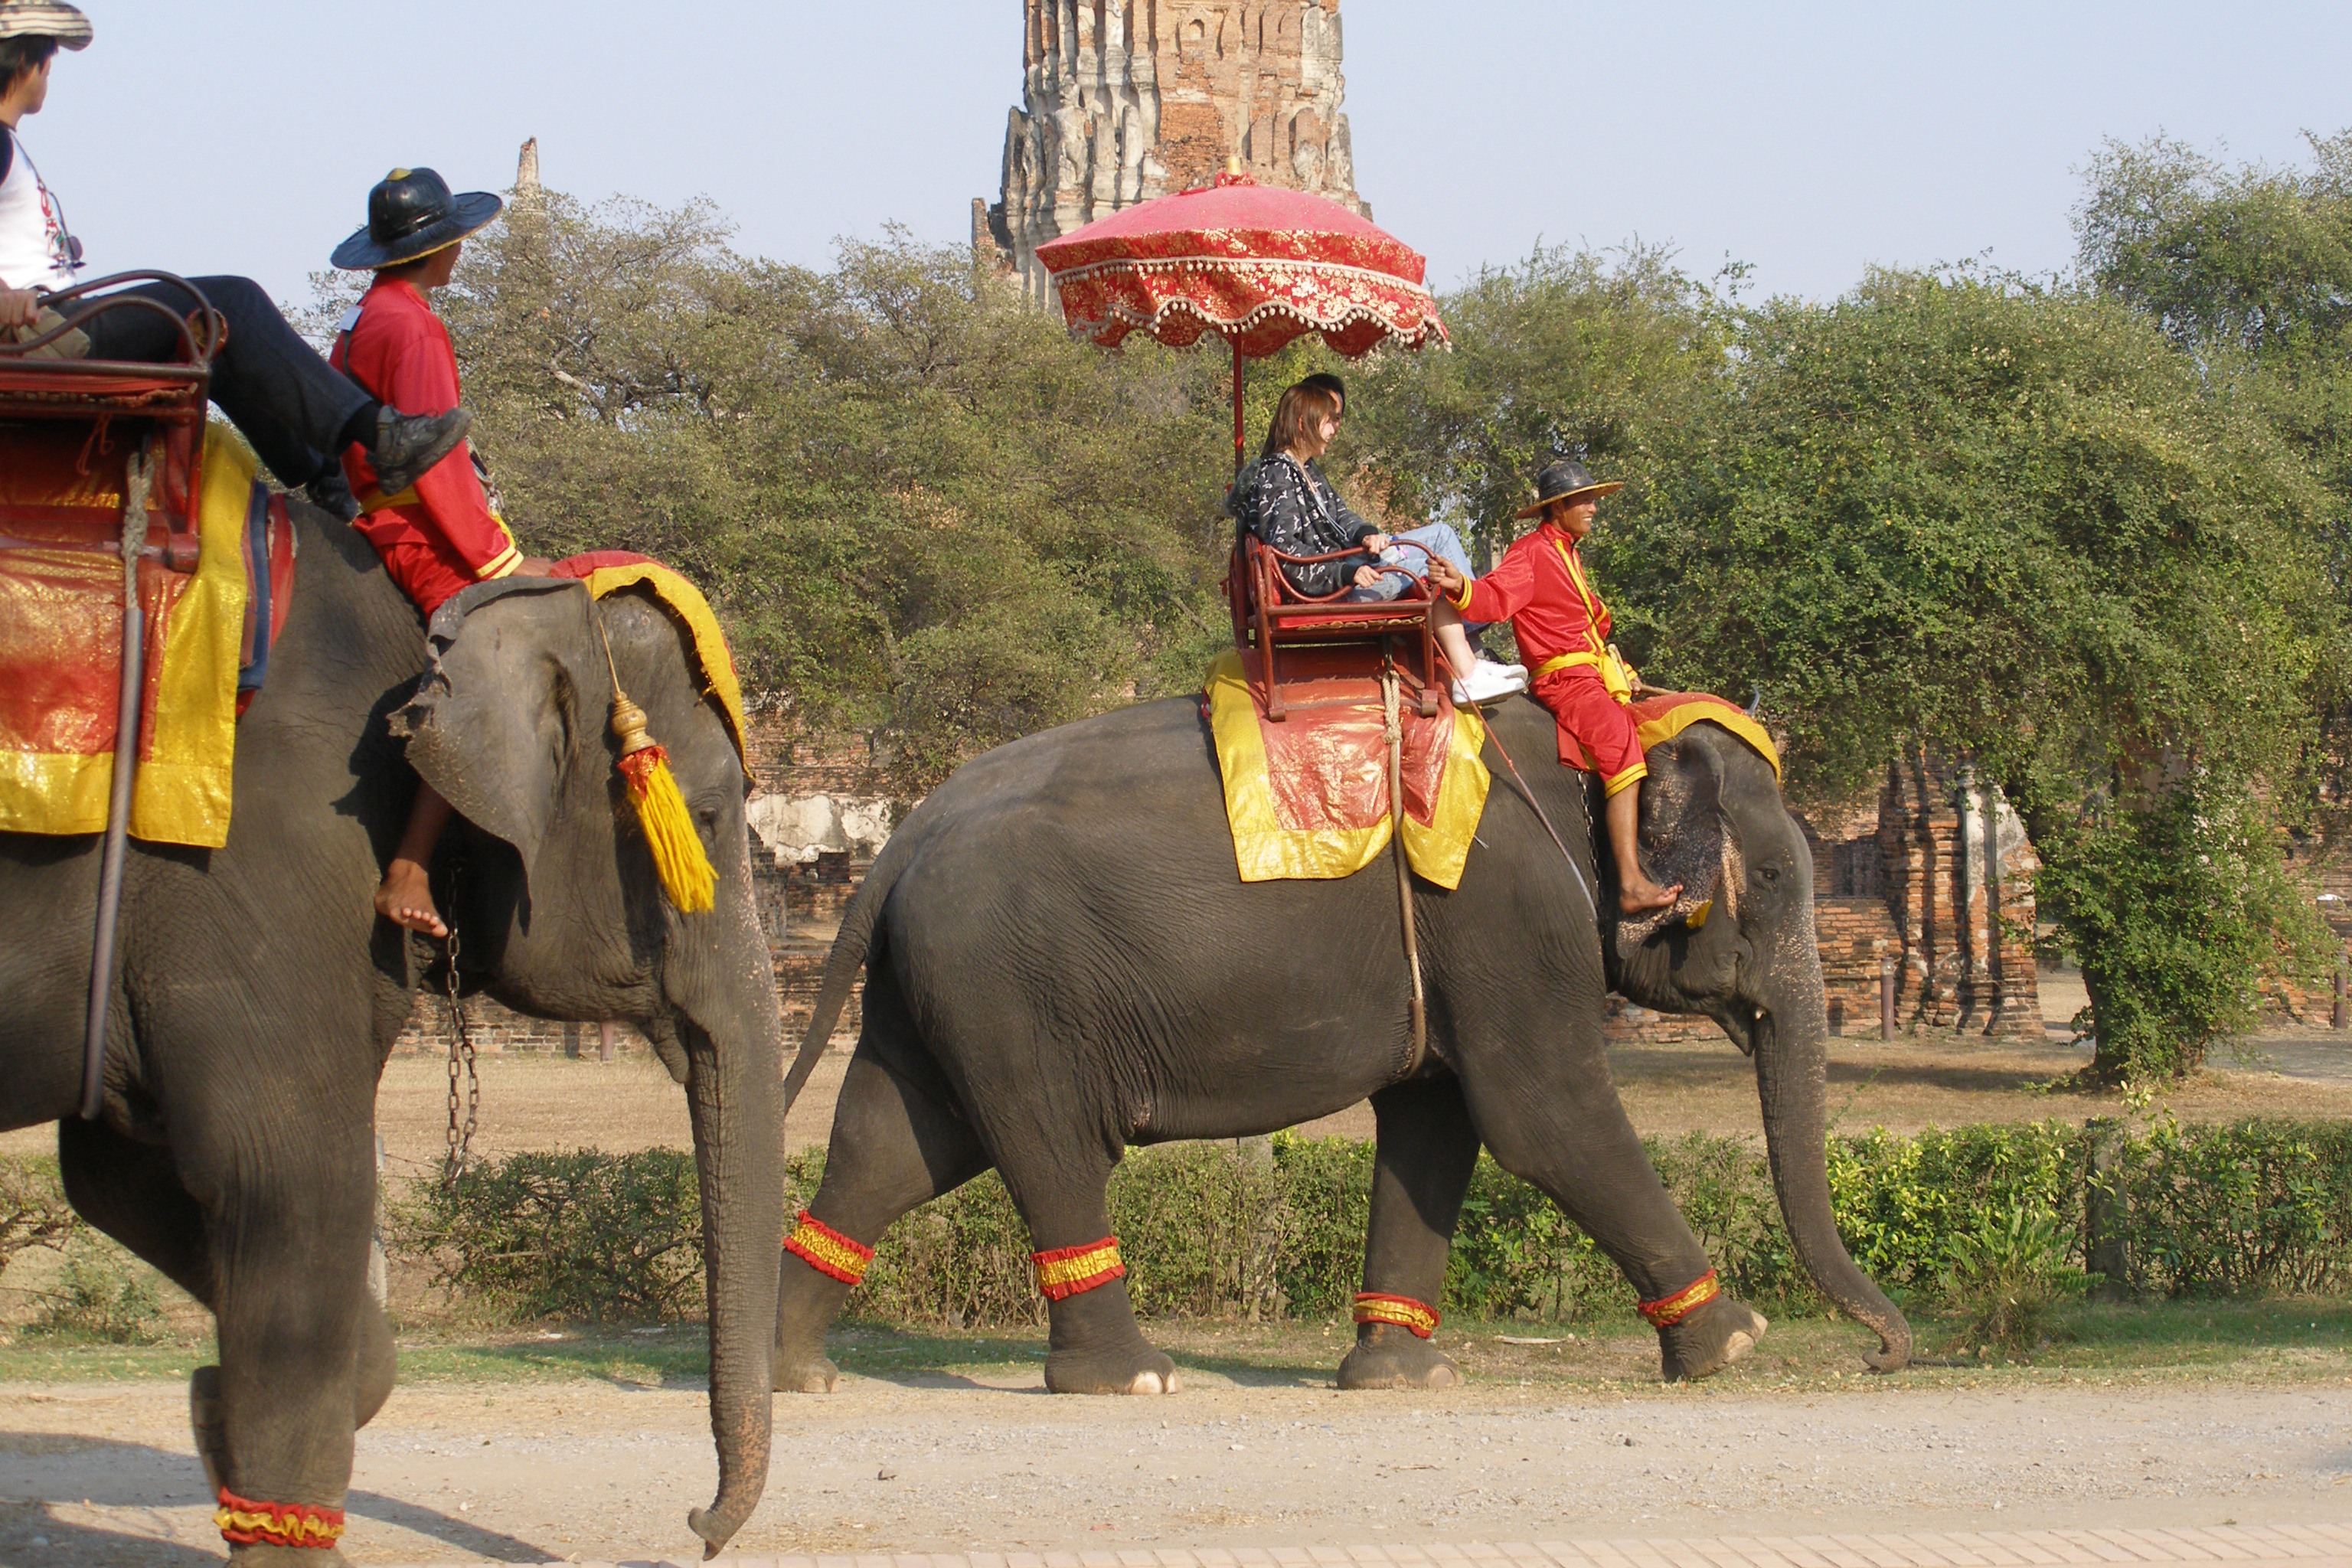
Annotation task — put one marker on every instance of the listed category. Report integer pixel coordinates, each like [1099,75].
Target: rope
[1419,1009]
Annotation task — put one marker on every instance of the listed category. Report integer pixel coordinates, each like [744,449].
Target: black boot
[406,445]
[331,492]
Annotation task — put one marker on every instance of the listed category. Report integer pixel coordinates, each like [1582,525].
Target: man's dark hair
[1324,381]
[23,55]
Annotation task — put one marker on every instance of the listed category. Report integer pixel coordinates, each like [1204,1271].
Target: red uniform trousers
[428,571]
[1596,730]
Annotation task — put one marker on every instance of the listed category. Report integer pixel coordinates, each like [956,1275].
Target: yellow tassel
[679,855]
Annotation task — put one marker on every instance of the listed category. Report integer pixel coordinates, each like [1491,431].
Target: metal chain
[461,1048]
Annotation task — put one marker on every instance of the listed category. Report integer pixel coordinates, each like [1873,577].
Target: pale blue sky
[242,135]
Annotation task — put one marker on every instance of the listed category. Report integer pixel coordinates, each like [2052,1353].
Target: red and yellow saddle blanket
[1308,797]
[61,644]
[1662,715]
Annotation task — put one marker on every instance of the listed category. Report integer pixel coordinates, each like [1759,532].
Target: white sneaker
[1487,682]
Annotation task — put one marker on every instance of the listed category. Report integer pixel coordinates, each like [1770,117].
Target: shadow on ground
[47,1471]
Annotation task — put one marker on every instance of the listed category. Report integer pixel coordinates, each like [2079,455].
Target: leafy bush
[2007,1275]
[1985,1221]
[33,1208]
[2247,1208]
[576,1234]
[100,1296]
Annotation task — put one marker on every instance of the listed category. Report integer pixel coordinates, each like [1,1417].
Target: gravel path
[104,1475]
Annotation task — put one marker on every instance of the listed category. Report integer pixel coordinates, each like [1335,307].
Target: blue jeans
[1435,539]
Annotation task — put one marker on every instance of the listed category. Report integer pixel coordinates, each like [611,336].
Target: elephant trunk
[735,1095]
[1792,1081]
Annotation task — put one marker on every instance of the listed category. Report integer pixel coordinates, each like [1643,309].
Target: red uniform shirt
[1539,587]
[442,534]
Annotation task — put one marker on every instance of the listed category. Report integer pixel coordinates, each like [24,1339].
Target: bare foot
[405,899]
[1638,894]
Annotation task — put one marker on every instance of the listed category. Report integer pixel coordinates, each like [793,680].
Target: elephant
[258,992]
[1060,962]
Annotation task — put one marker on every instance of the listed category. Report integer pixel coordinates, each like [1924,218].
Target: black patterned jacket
[1292,508]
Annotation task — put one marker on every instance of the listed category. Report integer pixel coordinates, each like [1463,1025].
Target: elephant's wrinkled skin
[258,992]
[1061,962]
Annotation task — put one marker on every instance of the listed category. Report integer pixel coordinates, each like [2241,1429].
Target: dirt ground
[950,1459]
[927,1448]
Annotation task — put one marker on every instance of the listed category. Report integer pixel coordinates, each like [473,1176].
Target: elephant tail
[850,948]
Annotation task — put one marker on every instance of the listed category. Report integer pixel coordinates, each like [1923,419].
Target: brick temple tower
[1127,99]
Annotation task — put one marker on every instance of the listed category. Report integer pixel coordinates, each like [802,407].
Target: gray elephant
[1060,963]
[258,994]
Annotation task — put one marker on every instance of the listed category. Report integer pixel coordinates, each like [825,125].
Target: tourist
[438,535]
[1287,502]
[297,413]
[1541,588]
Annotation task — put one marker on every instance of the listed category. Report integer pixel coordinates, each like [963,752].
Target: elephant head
[1739,947]
[559,911]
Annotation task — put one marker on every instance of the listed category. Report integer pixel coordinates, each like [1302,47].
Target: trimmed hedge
[1207,1229]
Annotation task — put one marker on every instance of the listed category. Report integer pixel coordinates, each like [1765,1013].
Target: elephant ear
[493,722]
[1685,839]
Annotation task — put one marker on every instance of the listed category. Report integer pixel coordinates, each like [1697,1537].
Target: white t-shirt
[32,237]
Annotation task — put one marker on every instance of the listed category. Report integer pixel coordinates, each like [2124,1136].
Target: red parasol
[1255,264]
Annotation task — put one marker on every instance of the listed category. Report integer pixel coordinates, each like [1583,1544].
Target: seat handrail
[199,350]
[1287,591]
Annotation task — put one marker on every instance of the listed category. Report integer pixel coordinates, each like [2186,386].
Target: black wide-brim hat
[411,214]
[1566,481]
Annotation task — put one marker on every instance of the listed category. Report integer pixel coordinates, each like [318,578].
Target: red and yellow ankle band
[1668,1311]
[1070,1271]
[1375,1307]
[249,1523]
[828,1251]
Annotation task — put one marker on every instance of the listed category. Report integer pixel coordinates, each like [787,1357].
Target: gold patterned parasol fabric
[1257,265]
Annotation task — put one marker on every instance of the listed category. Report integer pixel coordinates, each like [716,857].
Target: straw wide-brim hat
[45,19]
[411,214]
[1566,481]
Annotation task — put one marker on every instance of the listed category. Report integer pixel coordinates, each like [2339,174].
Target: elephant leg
[1093,1345]
[1427,1151]
[1567,1133]
[132,1190]
[304,1352]
[896,1143]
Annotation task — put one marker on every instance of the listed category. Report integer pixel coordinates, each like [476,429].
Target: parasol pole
[1240,441]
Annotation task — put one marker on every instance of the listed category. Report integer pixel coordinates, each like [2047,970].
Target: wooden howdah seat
[1360,638]
[70,428]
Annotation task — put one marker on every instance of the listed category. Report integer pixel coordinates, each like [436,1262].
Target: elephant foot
[210,1423]
[1138,1370]
[806,1375]
[1388,1356]
[1720,1332]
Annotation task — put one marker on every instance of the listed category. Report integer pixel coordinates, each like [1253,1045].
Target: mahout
[1061,962]
[258,992]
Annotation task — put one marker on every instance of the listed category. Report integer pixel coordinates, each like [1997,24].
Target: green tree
[2007,522]
[1568,352]
[917,504]
[2011,523]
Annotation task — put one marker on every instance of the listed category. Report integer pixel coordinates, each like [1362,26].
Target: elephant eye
[1770,873]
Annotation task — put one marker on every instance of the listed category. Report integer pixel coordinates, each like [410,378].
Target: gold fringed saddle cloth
[1662,715]
[1310,797]
[61,650]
